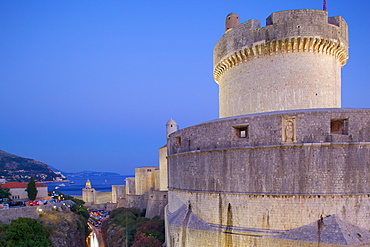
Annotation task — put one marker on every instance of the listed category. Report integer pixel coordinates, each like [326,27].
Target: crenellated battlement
[280,26]
[294,62]
[288,45]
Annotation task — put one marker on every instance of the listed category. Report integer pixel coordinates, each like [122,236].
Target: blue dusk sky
[90,85]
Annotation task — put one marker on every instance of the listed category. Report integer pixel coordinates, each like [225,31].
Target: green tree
[78,204]
[31,189]
[137,230]
[83,212]
[5,194]
[24,232]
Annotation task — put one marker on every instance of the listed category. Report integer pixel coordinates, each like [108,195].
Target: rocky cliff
[66,228]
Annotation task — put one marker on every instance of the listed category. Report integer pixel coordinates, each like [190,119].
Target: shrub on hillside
[147,242]
[134,227]
[118,211]
[153,228]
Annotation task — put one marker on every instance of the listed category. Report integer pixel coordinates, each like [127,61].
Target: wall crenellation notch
[283,65]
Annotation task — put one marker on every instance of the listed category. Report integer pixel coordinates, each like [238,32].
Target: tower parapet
[294,62]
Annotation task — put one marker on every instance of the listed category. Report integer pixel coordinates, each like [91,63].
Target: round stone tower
[88,193]
[171,126]
[294,62]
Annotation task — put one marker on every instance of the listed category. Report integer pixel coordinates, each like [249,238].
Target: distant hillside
[16,168]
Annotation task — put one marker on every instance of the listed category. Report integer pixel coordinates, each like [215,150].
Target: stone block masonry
[285,165]
[277,170]
[6,215]
[292,63]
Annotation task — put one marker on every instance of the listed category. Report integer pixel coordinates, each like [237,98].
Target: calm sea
[98,182]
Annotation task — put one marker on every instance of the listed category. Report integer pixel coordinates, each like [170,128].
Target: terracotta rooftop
[12,185]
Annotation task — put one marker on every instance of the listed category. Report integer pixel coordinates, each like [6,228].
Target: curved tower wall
[272,163]
[292,63]
[266,180]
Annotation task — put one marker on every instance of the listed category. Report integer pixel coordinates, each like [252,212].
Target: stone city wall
[145,178]
[280,212]
[130,186]
[102,197]
[290,169]
[89,196]
[118,191]
[137,201]
[157,200]
[163,182]
[157,179]
[6,215]
[191,237]
[210,156]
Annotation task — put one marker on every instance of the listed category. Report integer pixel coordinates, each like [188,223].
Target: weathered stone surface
[265,182]
[6,215]
[317,163]
[329,230]
[295,158]
[294,62]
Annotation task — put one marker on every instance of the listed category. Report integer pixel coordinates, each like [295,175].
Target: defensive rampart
[6,215]
[157,200]
[289,173]
[277,170]
[282,25]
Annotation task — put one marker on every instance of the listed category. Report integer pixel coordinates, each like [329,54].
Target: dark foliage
[153,228]
[137,227]
[24,232]
[5,194]
[31,189]
[83,212]
[118,211]
[147,242]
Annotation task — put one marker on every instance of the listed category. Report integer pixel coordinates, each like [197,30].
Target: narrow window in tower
[339,126]
[178,141]
[240,132]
